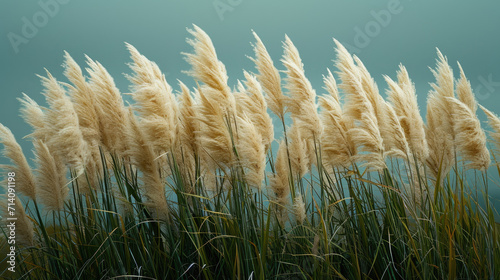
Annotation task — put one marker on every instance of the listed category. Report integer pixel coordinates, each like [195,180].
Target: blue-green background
[465,31]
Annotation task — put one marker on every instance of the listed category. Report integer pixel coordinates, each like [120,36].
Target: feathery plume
[187,147]
[464,91]
[298,153]
[110,108]
[52,188]
[251,151]
[331,86]
[25,181]
[364,128]
[378,104]
[66,140]
[494,122]
[336,143]
[142,156]
[470,138]
[398,146]
[279,182]
[440,128]
[34,115]
[187,117]
[256,108]
[299,209]
[349,77]
[145,71]
[404,102]
[443,88]
[158,115]
[439,140]
[155,102]
[213,134]
[84,101]
[269,78]
[302,102]
[207,68]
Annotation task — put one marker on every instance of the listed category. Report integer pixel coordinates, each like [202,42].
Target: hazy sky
[382,33]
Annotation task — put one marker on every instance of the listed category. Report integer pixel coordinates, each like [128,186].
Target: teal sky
[385,33]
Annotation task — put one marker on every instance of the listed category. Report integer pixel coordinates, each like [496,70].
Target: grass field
[186,185]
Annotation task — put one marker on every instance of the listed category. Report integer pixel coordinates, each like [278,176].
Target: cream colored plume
[404,101]
[110,108]
[24,226]
[349,77]
[84,101]
[251,152]
[443,88]
[397,143]
[331,87]
[142,156]
[367,136]
[440,127]
[34,115]
[464,92]
[158,115]
[66,140]
[213,135]
[302,102]
[145,71]
[299,209]
[439,140]
[298,152]
[154,101]
[279,182]
[355,77]
[52,186]
[269,78]
[187,147]
[360,111]
[470,138]
[255,107]
[208,69]
[337,147]
[85,104]
[494,122]
[24,179]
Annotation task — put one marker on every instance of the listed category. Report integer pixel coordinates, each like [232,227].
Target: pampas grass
[404,101]
[186,184]
[269,78]
[142,156]
[207,68]
[494,122]
[154,101]
[252,152]
[109,107]
[65,138]
[470,138]
[12,150]
[302,101]
[279,182]
[254,105]
[52,185]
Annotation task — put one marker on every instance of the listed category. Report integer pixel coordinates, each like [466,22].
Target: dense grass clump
[186,185]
